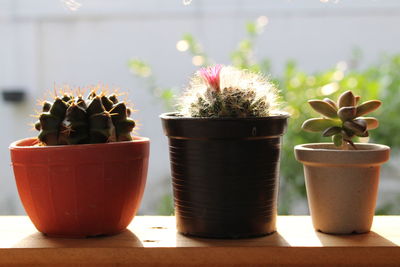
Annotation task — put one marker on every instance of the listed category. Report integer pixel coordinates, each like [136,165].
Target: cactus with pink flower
[225,91]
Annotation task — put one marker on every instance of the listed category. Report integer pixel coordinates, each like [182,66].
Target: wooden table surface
[153,241]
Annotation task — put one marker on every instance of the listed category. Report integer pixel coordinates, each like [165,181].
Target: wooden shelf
[153,240]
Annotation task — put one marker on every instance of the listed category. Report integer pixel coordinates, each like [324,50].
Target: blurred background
[309,48]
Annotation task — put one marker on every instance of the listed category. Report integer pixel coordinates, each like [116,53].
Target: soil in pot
[81,190]
[342,185]
[225,174]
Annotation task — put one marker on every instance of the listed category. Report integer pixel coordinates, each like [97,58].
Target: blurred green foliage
[377,81]
[166,206]
[143,70]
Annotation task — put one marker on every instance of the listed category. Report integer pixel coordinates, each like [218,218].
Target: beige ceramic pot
[342,185]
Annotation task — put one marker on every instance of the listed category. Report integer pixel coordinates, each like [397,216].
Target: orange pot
[81,190]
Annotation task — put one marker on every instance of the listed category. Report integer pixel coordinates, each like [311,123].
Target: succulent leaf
[365,134]
[357,98]
[357,127]
[318,125]
[323,108]
[361,123]
[372,123]
[368,107]
[347,99]
[347,113]
[331,131]
[331,102]
[347,133]
[337,140]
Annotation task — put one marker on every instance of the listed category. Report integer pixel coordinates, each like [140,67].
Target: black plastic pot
[225,174]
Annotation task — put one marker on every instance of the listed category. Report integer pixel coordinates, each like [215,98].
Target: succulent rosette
[343,120]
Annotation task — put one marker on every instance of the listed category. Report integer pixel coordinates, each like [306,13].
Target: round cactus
[224,91]
[343,120]
[71,120]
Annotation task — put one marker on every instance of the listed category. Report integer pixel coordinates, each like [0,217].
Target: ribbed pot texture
[225,174]
[342,185]
[80,190]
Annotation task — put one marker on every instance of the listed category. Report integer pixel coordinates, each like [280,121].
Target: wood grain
[153,241]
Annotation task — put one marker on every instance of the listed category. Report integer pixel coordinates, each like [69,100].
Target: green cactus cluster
[343,120]
[230,102]
[72,120]
[225,91]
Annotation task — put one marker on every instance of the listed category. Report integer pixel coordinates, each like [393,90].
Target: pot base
[217,236]
[83,236]
[355,232]
[226,227]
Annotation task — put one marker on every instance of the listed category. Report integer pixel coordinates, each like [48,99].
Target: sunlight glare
[182,45]
[72,5]
[329,88]
[338,75]
[198,60]
[262,21]
[342,65]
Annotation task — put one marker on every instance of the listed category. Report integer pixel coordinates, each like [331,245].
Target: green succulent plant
[71,120]
[343,120]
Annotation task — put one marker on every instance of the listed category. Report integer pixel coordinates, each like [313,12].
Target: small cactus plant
[224,91]
[342,120]
[71,120]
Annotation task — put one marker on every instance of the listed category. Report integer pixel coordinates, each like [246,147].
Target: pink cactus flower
[211,76]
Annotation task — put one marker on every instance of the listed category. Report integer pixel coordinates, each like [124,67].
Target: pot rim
[174,116]
[18,145]
[326,154]
[330,147]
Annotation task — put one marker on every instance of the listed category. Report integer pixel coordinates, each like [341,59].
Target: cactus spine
[71,120]
[224,91]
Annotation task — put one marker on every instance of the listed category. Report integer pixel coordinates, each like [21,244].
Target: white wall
[42,43]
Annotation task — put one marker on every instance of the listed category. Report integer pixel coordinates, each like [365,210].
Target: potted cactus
[342,177]
[84,175]
[225,149]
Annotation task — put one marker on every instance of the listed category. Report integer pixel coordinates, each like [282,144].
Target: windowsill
[152,240]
